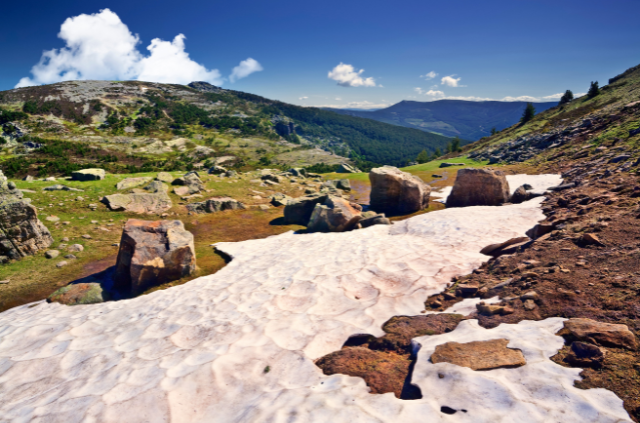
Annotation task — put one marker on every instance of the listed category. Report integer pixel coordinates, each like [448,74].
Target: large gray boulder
[192,181]
[216,204]
[129,183]
[153,253]
[88,175]
[298,211]
[395,192]
[334,215]
[479,187]
[21,232]
[155,200]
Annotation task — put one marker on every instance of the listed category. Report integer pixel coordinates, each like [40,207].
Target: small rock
[65,239]
[52,218]
[70,257]
[75,248]
[585,355]
[263,207]
[50,254]
[61,264]
[529,305]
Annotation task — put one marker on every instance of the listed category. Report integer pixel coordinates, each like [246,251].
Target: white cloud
[439,95]
[430,93]
[346,76]
[168,62]
[101,46]
[450,81]
[429,75]
[554,96]
[521,98]
[338,99]
[303,97]
[244,69]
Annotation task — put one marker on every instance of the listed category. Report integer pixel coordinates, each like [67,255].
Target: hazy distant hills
[470,120]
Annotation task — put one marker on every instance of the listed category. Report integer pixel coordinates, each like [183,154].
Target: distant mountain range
[469,120]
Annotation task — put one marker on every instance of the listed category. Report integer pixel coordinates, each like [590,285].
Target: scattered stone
[216,204]
[347,168]
[52,218]
[529,305]
[298,172]
[165,177]
[450,164]
[467,290]
[129,183]
[60,187]
[216,170]
[88,175]
[153,253]
[80,293]
[61,264]
[583,355]
[51,254]
[343,184]
[373,218]
[29,178]
[496,250]
[479,187]
[191,181]
[155,200]
[334,215]
[75,248]
[591,239]
[86,236]
[65,239]
[397,192]
[298,211]
[539,230]
[70,257]
[231,174]
[263,207]
[479,355]
[491,309]
[278,199]
[607,334]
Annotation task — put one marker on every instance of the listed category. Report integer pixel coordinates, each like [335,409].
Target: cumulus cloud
[101,46]
[439,95]
[303,97]
[430,93]
[346,76]
[356,105]
[429,75]
[557,96]
[244,69]
[450,81]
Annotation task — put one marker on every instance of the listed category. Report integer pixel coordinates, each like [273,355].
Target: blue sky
[289,49]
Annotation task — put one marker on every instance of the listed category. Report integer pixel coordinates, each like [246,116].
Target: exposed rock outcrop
[216,204]
[479,187]
[153,253]
[395,192]
[80,293]
[594,332]
[133,182]
[298,211]
[155,200]
[21,232]
[88,175]
[192,181]
[347,168]
[479,355]
[334,215]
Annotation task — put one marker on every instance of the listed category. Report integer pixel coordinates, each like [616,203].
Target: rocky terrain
[518,301]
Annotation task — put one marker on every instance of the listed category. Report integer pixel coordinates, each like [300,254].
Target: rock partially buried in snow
[479,355]
[334,215]
[88,175]
[216,204]
[479,187]
[397,192]
[606,334]
[153,253]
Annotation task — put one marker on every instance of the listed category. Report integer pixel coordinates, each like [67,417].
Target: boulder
[396,192]
[498,249]
[165,177]
[607,334]
[88,175]
[216,204]
[334,215]
[582,354]
[129,183]
[60,187]
[80,293]
[271,177]
[230,174]
[155,200]
[153,253]
[479,355]
[347,168]
[376,219]
[479,187]
[299,210]
[297,171]
[29,178]
[21,232]
[343,184]
[181,191]
[190,180]
[279,199]
[216,170]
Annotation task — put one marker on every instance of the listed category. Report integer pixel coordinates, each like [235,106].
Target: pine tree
[594,90]
[437,153]
[566,98]
[494,131]
[423,157]
[455,144]
[528,114]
